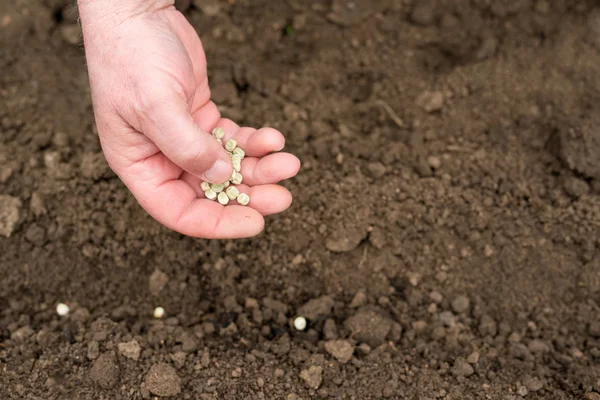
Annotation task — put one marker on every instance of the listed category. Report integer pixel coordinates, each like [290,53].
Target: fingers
[175,204]
[169,124]
[273,168]
[255,142]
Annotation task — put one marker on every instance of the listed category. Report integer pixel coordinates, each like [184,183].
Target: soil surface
[444,241]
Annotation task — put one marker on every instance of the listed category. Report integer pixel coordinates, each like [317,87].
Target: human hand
[148,78]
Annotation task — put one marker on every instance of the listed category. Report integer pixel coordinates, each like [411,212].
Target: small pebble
[461,304]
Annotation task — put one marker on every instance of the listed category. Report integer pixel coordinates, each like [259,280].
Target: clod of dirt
[10,214]
[347,13]
[462,368]
[580,147]
[105,371]
[330,330]
[157,281]
[71,33]
[594,27]
[37,206]
[575,187]
[36,234]
[312,377]
[5,173]
[130,349]
[317,308]
[94,166]
[538,346]
[359,300]
[162,380]
[22,334]
[594,329]
[430,101]
[461,304]
[342,350]
[533,384]
[210,8]
[93,350]
[345,240]
[423,13]
[369,326]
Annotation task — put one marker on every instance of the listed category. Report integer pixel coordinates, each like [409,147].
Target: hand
[152,106]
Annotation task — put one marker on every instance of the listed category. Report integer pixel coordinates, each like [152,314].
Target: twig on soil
[391,113]
[364,257]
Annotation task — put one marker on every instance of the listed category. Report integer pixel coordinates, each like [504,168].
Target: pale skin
[148,78]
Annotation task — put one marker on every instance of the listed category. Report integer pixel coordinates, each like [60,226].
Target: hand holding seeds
[155,117]
[216,190]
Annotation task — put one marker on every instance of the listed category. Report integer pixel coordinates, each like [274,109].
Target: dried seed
[237,164]
[237,179]
[62,309]
[205,186]
[230,145]
[232,192]
[159,312]
[217,187]
[243,199]
[239,152]
[223,198]
[219,133]
[210,194]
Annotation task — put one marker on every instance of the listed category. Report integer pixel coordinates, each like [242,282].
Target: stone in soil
[359,300]
[158,280]
[345,240]
[342,350]
[369,326]
[105,371]
[533,384]
[462,368]
[430,101]
[130,349]
[10,214]
[316,308]
[162,380]
[461,304]
[312,376]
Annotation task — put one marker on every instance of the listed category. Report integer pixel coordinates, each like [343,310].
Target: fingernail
[219,172]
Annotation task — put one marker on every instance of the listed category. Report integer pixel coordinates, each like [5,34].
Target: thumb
[169,124]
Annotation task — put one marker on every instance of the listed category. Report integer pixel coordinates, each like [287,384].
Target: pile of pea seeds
[225,192]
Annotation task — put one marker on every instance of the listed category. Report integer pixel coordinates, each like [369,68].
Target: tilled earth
[444,237]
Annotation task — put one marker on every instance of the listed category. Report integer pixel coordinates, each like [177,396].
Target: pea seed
[239,152]
[210,194]
[232,192]
[230,145]
[237,179]
[223,198]
[243,199]
[218,133]
[217,187]
[205,186]
[237,164]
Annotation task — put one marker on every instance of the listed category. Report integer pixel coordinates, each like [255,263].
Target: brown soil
[444,237]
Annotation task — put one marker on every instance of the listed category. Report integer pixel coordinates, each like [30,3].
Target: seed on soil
[218,133]
[159,312]
[299,322]
[232,192]
[230,145]
[223,198]
[243,199]
[210,194]
[62,309]
[205,186]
